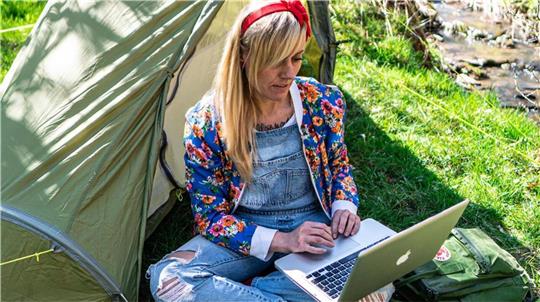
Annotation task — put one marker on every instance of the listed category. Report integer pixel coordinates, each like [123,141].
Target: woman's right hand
[304,239]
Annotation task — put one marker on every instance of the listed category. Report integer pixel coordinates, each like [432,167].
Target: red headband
[293,6]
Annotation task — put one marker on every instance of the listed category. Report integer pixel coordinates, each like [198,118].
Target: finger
[321,226]
[335,223]
[351,220]
[319,240]
[316,225]
[325,233]
[357,226]
[343,222]
[315,250]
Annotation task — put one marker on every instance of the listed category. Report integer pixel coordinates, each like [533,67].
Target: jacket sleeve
[211,191]
[344,192]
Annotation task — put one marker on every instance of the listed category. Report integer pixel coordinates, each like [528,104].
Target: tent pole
[62,243]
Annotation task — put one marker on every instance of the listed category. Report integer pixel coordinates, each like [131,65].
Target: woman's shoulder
[315,92]
[204,111]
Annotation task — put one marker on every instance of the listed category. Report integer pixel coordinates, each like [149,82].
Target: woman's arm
[344,193]
[211,191]
[344,190]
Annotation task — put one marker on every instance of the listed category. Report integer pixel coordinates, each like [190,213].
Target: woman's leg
[276,283]
[203,271]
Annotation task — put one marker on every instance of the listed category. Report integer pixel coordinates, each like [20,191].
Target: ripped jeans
[215,273]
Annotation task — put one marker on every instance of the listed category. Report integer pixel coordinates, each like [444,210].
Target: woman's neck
[274,114]
[270,107]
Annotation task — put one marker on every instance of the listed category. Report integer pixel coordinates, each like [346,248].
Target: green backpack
[470,266]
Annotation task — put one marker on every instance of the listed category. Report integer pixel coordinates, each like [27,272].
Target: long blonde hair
[267,42]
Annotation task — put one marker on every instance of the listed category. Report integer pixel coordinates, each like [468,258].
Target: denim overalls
[280,197]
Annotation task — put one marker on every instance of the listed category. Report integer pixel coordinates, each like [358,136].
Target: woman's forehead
[300,47]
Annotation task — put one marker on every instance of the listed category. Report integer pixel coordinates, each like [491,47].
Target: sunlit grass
[419,142]
[13,14]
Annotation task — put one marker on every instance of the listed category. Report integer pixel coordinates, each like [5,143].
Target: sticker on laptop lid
[443,254]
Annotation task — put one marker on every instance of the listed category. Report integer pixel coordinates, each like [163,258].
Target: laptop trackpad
[370,231]
[307,263]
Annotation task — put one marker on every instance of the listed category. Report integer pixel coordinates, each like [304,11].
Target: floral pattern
[215,186]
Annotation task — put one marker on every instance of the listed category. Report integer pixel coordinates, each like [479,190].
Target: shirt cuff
[344,205]
[260,243]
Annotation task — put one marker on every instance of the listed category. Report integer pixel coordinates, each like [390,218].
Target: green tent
[91,126]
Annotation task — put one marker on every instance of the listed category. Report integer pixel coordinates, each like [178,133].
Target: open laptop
[360,264]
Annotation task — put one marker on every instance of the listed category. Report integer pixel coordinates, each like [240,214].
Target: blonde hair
[267,42]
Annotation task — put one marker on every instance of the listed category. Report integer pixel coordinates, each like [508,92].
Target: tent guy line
[16,28]
[28,257]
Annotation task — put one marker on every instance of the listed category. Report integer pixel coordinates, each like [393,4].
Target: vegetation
[15,14]
[418,142]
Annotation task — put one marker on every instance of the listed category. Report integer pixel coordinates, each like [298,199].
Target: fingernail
[341,230]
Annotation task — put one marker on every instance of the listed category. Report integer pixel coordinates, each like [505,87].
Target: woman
[267,167]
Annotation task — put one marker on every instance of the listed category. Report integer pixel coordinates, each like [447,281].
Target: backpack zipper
[482,261]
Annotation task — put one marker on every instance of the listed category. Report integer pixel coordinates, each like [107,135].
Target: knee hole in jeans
[171,287]
[183,256]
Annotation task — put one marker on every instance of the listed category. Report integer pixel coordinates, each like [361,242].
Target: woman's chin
[279,93]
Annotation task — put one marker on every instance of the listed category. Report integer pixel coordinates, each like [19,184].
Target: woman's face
[275,81]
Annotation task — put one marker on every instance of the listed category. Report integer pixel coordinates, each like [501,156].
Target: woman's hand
[303,239]
[345,222]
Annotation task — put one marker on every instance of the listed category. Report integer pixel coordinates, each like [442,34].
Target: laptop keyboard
[332,278]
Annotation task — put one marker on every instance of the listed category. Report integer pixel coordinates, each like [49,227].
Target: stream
[490,53]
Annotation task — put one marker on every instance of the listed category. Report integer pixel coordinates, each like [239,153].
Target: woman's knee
[171,279]
[184,257]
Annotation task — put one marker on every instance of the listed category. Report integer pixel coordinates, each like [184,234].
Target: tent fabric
[74,276]
[326,41]
[194,78]
[68,278]
[83,109]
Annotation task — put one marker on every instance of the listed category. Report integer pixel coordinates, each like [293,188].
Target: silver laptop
[360,264]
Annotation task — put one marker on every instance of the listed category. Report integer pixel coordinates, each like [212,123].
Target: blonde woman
[267,167]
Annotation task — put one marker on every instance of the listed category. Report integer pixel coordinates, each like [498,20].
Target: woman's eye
[297,59]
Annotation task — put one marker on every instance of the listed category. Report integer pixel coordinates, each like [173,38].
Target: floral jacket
[215,186]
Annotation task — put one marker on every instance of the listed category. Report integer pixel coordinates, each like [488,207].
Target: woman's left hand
[345,222]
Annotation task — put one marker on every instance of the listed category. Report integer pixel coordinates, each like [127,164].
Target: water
[483,47]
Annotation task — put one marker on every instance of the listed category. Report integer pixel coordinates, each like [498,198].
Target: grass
[418,142]
[14,14]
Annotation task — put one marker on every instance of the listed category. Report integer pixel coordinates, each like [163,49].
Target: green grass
[15,14]
[417,141]
[420,143]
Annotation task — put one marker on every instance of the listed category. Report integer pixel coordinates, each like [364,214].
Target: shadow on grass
[394,185]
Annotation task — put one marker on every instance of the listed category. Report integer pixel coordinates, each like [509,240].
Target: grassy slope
[420,143]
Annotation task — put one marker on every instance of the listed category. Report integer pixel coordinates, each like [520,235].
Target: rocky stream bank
[486,50]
